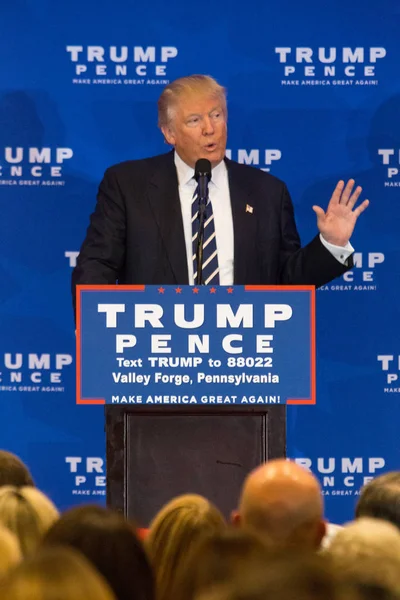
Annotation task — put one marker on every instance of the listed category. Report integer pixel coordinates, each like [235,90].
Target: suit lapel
[244,222]
[165,205]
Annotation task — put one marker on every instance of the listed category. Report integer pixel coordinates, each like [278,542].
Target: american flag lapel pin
[249,209]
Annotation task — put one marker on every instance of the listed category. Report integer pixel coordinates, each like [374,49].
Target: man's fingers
[354,197]
[347,191]
[318,211]
[361,208]
[337,192]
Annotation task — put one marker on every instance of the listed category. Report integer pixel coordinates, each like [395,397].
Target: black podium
[154,454]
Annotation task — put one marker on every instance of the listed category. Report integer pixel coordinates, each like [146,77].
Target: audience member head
[110,543]
[28,513]
[380,499]
[290,577]
[178,526]
[13,471]
[283,501]
[367,552]
[55,574]
[215,559]
[10,553]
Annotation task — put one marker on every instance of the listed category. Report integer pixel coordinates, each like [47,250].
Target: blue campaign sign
[195,345]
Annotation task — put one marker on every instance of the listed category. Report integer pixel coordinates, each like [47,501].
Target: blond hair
[192,84]
[55,574]
[28,513]
[178,526]
[10,552]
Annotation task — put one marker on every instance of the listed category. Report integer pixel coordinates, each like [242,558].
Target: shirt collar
[186,173]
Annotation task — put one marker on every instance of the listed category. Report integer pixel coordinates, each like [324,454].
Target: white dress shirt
[223,221]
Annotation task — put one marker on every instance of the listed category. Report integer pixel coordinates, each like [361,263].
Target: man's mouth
[210,147]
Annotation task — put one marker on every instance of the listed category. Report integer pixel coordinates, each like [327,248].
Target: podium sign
[181,345]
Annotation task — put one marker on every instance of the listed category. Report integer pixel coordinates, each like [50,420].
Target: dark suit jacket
[136,231]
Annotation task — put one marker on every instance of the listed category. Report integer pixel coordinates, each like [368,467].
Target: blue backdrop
[313,97]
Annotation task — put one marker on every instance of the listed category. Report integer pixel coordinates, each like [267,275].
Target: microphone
[202,174]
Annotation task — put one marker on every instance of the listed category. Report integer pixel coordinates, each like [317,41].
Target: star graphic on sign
[213,290]
[230,290]
[195,290]
[178,290]
[161,290]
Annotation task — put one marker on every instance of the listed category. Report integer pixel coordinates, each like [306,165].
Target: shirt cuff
[341,253]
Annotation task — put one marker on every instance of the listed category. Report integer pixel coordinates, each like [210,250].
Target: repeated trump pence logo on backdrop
[330,66]
[33,372]
[390,365]
[390,159]
[343,476]
[32,166]
[263,159]
[86,475]
[120,65]
[363,277]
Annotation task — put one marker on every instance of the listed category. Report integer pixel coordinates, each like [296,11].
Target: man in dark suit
[143,229]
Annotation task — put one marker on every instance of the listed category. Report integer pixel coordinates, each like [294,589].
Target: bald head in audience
[283,501]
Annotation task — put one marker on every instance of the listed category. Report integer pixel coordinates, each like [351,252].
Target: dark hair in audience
[375,592]
[290,577]
[216,559]
[380,499]
[13,471]
[111,544]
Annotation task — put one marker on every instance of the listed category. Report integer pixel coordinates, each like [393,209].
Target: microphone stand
[202,174]
[203,197]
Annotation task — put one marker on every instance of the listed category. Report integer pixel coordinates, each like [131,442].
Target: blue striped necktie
[210,255]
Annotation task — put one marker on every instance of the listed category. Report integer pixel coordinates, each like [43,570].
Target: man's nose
[208,126]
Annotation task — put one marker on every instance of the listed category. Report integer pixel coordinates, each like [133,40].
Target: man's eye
[216,115]
[193,121]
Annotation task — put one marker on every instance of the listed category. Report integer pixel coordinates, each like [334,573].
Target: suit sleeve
[102,254]
[311,265]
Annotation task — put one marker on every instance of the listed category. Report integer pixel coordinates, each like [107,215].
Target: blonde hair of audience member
[192,85]
[291,577]
[28,513]
[215,559]
[283,501]
[173,532]
[55,574]
[367,552]
[10,553]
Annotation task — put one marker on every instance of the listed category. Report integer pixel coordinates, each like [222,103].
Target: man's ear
[168,134]
[235,518]
[320,533]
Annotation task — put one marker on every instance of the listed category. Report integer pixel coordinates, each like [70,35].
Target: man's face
[198,129]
